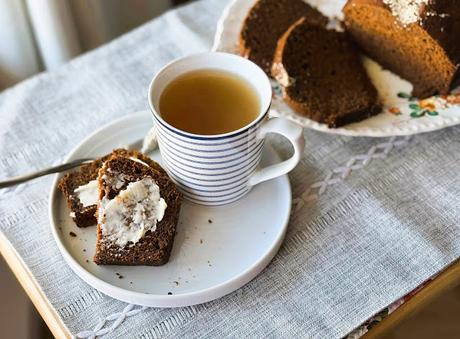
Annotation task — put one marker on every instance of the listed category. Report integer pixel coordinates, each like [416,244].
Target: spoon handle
[55,169]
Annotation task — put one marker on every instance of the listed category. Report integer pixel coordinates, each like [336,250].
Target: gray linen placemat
[356,242]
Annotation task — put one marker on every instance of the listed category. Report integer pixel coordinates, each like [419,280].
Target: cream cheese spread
[134,211]
[88,193]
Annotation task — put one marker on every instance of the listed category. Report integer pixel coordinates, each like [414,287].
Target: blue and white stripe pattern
[211,170]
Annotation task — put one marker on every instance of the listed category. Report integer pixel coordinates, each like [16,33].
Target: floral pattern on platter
[429,107]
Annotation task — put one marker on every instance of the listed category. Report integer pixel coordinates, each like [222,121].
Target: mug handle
[294,133]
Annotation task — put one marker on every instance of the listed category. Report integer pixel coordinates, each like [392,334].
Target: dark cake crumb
[210,221]
[153,248]
[72,234]
[85,216]
[169,293]
[266,22]
[342,96]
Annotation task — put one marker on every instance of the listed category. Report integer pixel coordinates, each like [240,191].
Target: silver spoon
[55,169]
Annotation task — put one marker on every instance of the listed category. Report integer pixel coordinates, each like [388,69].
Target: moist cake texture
[84,214]
[265,24]
[322,75]
[416,39]
[137,214]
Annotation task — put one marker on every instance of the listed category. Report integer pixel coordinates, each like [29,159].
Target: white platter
[401,115]
[208,260]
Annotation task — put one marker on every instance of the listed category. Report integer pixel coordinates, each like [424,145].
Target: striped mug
[220,169]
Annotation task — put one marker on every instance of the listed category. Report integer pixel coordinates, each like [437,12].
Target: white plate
[397,117]
[208,260]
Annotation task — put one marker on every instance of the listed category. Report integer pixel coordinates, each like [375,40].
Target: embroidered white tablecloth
[372,218]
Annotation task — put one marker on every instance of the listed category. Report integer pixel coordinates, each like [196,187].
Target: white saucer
[216,251]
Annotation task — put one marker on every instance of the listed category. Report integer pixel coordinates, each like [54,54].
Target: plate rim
[157,300]
[372,132]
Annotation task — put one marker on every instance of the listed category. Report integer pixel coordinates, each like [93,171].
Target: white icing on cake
[407,11]
[87,194]
[132,213]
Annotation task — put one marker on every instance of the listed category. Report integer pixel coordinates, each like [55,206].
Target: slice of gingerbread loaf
[418,40]
[265,24]
[80,186]
[322,75]
[137,214]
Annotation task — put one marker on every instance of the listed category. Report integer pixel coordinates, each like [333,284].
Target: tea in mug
[209,102]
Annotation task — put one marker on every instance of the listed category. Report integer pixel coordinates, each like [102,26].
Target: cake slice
[80,186]
[137,214]
[416,39]
[265,24]
[322,75]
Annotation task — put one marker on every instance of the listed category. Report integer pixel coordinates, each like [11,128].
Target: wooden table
[445,281]
[33,290]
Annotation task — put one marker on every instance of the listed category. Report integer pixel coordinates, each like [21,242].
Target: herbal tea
[209,102]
